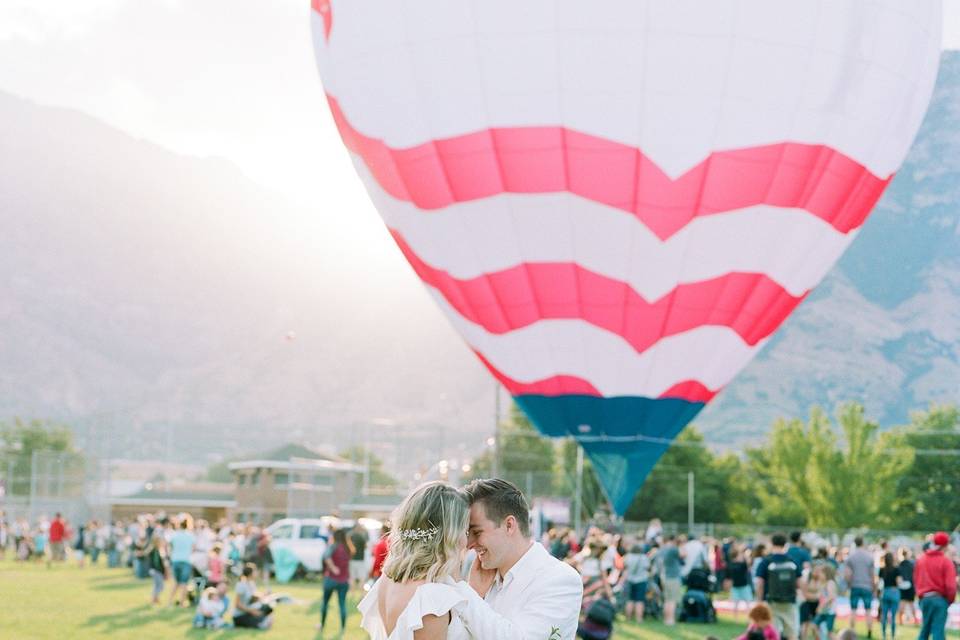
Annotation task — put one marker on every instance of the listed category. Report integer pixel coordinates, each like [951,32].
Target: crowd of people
[193,563]
[787,587]
[782,587]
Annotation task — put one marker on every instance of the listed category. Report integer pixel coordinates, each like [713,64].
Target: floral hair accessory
[419,534]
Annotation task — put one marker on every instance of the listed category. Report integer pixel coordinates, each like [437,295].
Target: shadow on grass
[117,586]
[137,617]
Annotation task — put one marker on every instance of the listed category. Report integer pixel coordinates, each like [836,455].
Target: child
[826,610]
[215,566]
[209,610]
[761,624]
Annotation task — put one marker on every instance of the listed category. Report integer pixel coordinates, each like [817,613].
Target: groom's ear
[511,525]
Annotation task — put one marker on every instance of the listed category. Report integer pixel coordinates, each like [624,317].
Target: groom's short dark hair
[500,499]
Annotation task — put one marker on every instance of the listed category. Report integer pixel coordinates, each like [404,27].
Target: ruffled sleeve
[433,598]
[370,614]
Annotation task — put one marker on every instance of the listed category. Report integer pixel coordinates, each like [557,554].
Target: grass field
[67,602]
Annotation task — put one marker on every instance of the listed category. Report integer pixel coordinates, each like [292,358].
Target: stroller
[598,623]
[653,608]
[697,606]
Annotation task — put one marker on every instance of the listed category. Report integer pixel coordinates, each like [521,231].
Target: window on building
[241,479]
[322,481]
[281,479]
[255,478]
[241,517]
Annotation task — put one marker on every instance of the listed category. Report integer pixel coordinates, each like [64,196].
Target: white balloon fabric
[616,203]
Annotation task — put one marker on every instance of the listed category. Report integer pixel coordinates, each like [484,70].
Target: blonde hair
[427,529]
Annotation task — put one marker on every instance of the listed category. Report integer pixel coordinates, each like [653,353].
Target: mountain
[884,326]
[169,308]
[166,306]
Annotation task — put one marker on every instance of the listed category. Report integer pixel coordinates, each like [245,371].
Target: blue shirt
[181,546]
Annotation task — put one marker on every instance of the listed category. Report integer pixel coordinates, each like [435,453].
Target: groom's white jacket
[538,599]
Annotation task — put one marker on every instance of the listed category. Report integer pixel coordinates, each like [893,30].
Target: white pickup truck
[307,537]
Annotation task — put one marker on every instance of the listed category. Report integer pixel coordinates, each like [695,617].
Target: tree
[379,479]
[20,440]
[928,493]
[664,495]
[822,478]
[525,457]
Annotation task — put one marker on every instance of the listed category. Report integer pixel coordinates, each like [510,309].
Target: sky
[228,78]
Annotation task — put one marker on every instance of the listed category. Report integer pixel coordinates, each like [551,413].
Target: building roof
[295,457]
[296,464]
[372,502]
[205,494]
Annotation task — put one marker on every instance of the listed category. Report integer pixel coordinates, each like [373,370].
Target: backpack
[602,612]
[782,581]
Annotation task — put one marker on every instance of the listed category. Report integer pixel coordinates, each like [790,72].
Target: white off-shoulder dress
[432,598]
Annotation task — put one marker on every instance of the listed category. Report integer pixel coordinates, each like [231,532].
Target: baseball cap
[941,539]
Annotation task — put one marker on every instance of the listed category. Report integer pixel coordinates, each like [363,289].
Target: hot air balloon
[617,203]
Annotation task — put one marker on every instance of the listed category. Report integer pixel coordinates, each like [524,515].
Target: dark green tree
[928,492]
[525,457]
[664,495]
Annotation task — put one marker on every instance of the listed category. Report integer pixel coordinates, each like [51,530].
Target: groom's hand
[481,579]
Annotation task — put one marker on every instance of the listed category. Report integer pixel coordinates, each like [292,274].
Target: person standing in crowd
[594,577]
[336,577]
[798,552]
[158,564]
[57,535]
[907,591]
[694,554]
[670,565]
[827,606]
[358,559]
[777,582]
[741,589]
[889,575]
[181,547]
[810,588]
[636,577]
[936,584]
[78,546]
[863,582]
[380,551]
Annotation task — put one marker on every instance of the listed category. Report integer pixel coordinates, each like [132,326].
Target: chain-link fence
[43,483]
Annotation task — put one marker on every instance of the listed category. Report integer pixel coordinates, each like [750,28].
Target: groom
[521,591]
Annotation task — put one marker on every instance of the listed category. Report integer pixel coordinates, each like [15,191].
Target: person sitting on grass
[209,610]
[761,624]
[249,609]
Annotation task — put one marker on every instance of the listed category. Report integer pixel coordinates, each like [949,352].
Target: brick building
[293,481]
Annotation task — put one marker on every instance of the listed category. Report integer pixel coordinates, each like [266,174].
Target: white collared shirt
[538,599]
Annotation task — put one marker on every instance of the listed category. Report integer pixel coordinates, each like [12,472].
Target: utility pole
[578,495]
[496,430]
[690,495]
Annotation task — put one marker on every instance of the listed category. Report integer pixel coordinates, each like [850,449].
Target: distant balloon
[618,203]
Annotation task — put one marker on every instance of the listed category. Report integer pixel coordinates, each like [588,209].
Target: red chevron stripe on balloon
[481,164]
[751,304]
[560,385]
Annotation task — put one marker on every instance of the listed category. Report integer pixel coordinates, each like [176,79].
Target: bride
[415,596]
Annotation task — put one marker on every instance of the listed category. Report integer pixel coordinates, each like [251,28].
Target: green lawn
[68,602]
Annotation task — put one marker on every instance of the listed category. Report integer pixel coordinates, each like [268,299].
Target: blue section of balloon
[623,436]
